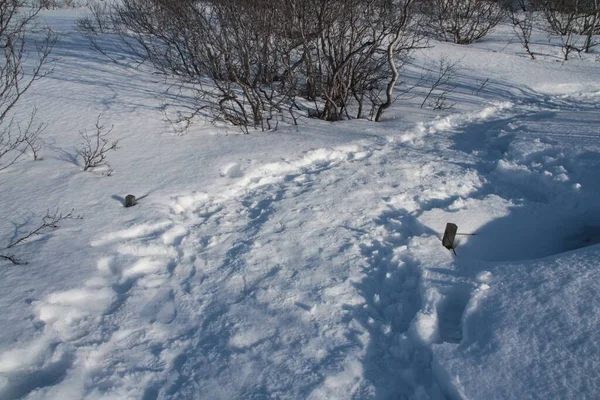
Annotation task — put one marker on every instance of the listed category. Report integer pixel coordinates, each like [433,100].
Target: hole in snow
[528,234]
[450,312]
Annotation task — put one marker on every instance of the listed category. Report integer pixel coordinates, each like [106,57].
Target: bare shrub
[16,140]
[95,147]
[438,80]
[522,18]
[96,21]
[576,21]
[355,56]
[23,63]
[17,75]
[48,4]
[53,4]
[266,59]
[461,21]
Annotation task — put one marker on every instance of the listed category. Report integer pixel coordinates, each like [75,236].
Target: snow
[307,262]
[232,170]
[540,325]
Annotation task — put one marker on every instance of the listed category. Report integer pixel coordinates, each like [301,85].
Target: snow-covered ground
[307,262]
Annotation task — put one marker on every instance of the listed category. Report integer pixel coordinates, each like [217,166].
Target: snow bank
[232,170]
[534,334]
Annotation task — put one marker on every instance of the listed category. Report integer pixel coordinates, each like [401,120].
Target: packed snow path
[319,276]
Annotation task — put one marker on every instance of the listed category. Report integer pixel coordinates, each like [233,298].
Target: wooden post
[130,200]
[449,236]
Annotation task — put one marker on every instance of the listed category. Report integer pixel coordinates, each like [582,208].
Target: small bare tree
[356,57]
[95,147]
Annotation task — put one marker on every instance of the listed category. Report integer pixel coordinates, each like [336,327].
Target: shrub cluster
[334,59]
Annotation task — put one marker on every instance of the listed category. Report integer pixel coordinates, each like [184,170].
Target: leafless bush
[95,147]
[439,84]
[49,221]
[357,57]
[461,21]
[48,4]
[96,21]
[53,4]
[574,21]
[23,63]
[16,140]
[31,135]
[230,42]
[267,59]
[18,19]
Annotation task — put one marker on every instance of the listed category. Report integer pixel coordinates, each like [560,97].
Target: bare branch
[522,21]
[49,221]
[12,258]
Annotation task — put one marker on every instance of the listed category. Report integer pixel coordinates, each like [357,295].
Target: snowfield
[307,262]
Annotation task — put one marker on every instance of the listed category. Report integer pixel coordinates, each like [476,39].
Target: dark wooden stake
[449,236]
[130,200]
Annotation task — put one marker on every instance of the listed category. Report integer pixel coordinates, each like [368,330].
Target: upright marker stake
[130,200]
[449,236]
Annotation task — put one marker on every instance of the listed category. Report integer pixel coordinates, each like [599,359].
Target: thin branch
[446,72]
[12,258]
